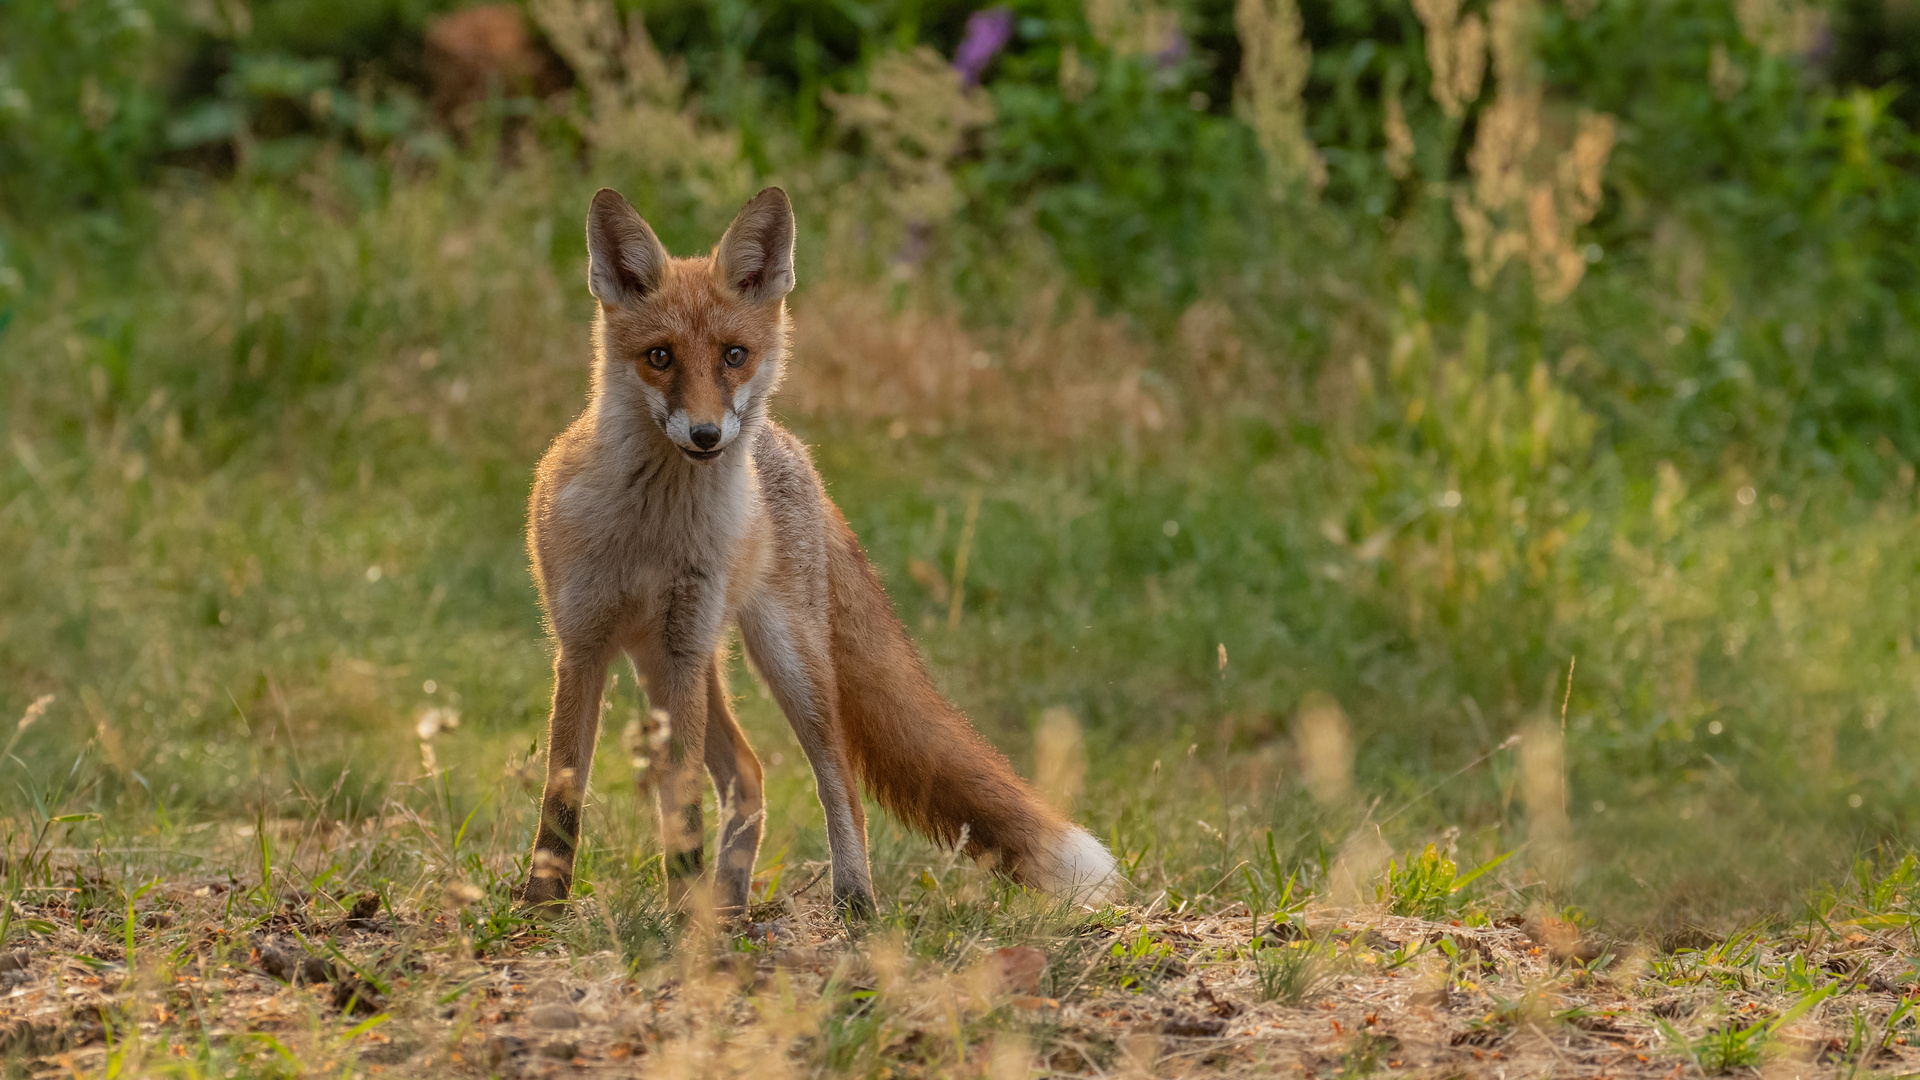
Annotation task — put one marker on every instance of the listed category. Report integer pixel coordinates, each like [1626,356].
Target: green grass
[253,592]
[1291,972]
[266,486]
[1390,611]
[265,443]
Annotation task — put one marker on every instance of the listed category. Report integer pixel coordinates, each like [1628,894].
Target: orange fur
[917,753]
[674,507]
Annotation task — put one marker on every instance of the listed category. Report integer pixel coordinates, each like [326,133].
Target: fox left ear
[755,257]
[625,259]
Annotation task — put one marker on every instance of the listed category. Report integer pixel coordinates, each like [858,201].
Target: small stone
[553,1017]
[1224,1008]
[502,1049]
[1562,939]
[1167,967]
[1374,940]
[768,932]
[1284,930]
[292,965]
[1187,1027]
[1019,968]
[360,917]
[277,962]
[354,995]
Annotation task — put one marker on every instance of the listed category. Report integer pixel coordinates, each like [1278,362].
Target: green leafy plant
[1140,958]
[1729,1046]
[1430,885]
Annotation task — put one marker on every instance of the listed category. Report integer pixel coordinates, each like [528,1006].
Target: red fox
[675,506]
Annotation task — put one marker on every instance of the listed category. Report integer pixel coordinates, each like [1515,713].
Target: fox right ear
[625,258]
[755,257]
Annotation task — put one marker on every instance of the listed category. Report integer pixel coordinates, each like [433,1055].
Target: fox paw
[542,894]
[853,904]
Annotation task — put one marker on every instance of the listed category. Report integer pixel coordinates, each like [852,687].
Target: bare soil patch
[988,985]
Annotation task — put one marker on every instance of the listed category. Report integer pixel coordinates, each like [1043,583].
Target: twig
[960,559]
[1564,786]
[810,884]
[1208,891]
[1571,660]
[1511,741]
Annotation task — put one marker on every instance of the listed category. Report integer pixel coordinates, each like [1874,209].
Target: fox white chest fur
[656,525]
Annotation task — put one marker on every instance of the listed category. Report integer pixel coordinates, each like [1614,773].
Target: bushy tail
[922,759]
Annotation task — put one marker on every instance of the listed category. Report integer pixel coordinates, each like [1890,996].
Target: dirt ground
[1127,991]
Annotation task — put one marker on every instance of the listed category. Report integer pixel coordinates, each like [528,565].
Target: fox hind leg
[737,780]
[797,666]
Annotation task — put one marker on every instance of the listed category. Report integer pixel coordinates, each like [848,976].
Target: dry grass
[1051,382]
[208,976]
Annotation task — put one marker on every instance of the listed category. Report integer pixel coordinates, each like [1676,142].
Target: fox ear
[755,257]
[625,258]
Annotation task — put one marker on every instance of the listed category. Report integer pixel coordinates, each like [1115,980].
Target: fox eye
[660,358]
[735,355]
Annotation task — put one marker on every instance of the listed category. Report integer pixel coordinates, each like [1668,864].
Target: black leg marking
[685,864]
[559,829]
[854,905]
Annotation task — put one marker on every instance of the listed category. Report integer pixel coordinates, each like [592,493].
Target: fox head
[694,345]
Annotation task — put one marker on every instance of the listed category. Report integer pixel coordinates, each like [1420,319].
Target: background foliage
[1197,357]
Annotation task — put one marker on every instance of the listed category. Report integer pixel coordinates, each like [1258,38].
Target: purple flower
[1173,51]
[988,31]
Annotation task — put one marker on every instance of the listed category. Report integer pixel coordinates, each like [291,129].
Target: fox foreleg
[678,662]
[737,780]
[580,675]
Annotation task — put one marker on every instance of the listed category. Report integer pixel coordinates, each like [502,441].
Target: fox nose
[705,436]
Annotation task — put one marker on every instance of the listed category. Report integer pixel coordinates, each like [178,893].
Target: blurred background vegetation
[1302,383]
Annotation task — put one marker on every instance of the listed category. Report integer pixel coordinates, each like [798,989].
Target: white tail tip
[1079,867]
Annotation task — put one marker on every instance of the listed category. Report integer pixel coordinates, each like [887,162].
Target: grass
[1304,592]
[245,577]
[352,947]
[1289,973]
